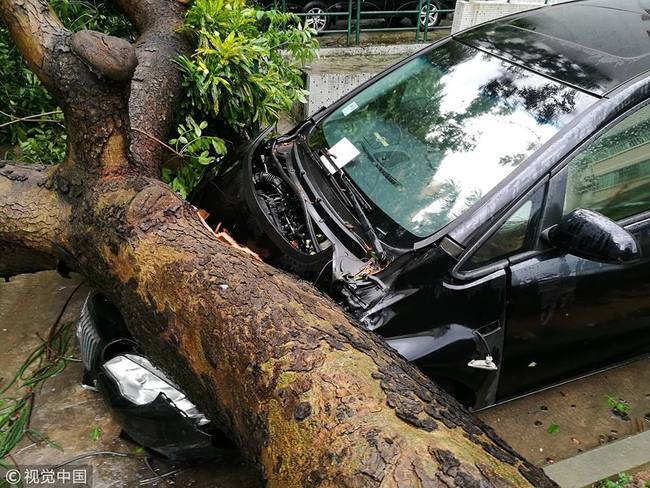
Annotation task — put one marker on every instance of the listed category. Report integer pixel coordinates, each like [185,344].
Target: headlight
[141,383]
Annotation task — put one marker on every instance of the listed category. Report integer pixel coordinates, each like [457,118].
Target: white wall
[472,12]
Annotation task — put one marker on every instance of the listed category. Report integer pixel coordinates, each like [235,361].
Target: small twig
[56,326]
[13,460]
[167,146]
[157,477]
[71,359]
[42,114]
[20,451]
[94,454]
[30,118]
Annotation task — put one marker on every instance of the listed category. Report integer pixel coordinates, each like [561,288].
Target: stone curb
[603,462]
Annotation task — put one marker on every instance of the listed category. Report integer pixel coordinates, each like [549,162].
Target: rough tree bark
[308,397]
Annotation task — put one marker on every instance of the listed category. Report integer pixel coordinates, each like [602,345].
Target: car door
[485,267]
[568,316]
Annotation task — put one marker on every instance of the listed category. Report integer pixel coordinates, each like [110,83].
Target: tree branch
[89,75]
[32,220]
[36,31]
[145,15]
[156,86]
[309,397]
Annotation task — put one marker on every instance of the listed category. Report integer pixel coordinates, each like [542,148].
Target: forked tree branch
[156,86]
[89,75]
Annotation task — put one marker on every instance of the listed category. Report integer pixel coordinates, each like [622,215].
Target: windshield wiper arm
[352,201]
[380,167]
[340,191]
[345,181]
[368,228]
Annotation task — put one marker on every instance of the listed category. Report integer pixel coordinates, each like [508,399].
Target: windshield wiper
[368,229]
[345,181]
[350,196]
[380,167]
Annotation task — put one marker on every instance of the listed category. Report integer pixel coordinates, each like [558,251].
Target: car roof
[594,45]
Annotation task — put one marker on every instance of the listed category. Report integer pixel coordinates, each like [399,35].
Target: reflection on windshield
[439,132]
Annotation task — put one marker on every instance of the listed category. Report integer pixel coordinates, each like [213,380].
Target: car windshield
[429,139]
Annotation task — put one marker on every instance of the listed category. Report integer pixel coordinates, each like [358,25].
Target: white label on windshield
[341,153]
[349,109]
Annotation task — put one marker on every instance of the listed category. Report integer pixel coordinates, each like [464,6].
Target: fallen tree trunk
[309,398]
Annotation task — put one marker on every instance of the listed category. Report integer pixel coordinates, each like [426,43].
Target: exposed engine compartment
[277,194]
[259,202]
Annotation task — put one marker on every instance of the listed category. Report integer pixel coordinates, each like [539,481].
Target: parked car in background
[483,205]
[320,22]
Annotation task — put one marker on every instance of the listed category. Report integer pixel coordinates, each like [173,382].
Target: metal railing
[355,14]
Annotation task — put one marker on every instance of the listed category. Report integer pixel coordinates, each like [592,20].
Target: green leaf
[96,433]
[617,405]
[553,429]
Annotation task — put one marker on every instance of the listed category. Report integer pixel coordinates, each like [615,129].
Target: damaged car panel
[150,408]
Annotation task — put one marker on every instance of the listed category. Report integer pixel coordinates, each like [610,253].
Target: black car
[484,205]
[317,20]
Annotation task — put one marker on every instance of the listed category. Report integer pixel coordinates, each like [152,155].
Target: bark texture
[156,86]
[311,399]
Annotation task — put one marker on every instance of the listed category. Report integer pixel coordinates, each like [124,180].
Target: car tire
[316,20]
[434,15]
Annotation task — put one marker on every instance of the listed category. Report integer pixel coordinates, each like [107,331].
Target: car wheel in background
[434,16]
[316,18]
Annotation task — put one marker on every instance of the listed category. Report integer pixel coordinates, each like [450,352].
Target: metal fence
[355,14]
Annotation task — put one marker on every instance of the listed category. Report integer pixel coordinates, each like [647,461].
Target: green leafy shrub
[21,95]
[97,15]
[195,152]
[244,72]
[623,481]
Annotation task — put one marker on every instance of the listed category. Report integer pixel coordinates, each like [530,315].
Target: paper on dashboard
[341,154]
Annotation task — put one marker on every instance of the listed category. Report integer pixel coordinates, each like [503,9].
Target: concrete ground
[580,411]
[67,413]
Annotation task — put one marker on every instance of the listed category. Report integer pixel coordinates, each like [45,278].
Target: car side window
[612,174]
[516,234]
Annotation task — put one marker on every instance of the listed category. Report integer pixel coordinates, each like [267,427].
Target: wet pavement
[566,420]
[545,427]
[69,415]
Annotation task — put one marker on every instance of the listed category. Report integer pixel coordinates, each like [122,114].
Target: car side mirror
[590,235]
